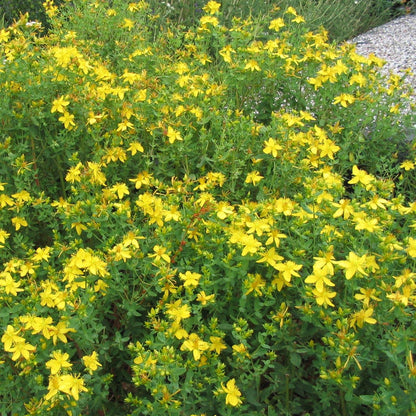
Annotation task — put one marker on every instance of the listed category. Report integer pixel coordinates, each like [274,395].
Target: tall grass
[343,19]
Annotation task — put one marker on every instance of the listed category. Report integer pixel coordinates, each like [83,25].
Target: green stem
[61,176]
[287,395]
[32,143]
[342,401]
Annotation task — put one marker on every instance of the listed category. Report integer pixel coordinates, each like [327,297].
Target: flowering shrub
[211,221]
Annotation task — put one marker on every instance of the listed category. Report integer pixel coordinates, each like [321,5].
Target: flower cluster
[218,219]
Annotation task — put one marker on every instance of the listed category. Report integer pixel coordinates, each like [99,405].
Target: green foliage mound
[343,19]
[211,220]
[11,10]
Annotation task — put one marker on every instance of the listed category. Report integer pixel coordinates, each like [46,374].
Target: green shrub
[205,220]
[343,19]
[10,10]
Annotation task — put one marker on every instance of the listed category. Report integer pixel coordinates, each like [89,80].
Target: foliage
[343,19]
[205,220]
[10,10]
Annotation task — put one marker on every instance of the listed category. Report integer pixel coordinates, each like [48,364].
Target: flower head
[232,392]
[212,7]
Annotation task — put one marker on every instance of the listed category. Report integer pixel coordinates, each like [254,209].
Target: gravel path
[395,42]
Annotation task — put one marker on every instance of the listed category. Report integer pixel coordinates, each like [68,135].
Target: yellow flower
[128,24]
[124,125]
[135,147]
[402,297]
[258,226]
[68,120]
[72,385]
[252,65]
[11,287]
[270,257]
[180,333]
[121,252]
[21,349]
[359,79]
[173,135]
[224,209]
[232,392]
[362,317]
[325,261]
[190,279]
[19,222]
[251,245]
[59,105]
[292,120]
[344,99]
[95,173]
[344,208]
[142,178]
[178,311]
[361,176]
[377,202]
[114,154]
[271,146]
[42,325]
[5,200]
[323,297]
[354,264]
[316,82]
[225,52]
[50,8]
[274,237]
[254,283]
[208,20]
[4,35]
[281,314]
[366,295]
[319,278]
[211,7]
[91,362]
[3,236]
[195,345]
[204,298]
[217,345]
[291,10]
[53,387]
[59,331]
[407,165]
[298,19]
[240,349]
[11,337]
[74,173]
[411,248]
[328,148]
[254,177]
[160,254]
[120,189]
[79,227]
[288,269]
[277,24]
[59,361]
[368,224]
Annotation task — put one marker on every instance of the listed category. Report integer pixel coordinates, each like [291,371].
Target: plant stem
[287,393]
[342,401]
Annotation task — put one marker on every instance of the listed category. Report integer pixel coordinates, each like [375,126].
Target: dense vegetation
[343,19]
[206,219]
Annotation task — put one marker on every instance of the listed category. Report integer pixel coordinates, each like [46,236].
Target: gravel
[394,42]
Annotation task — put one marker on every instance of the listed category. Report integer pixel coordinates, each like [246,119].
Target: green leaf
[295,359]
